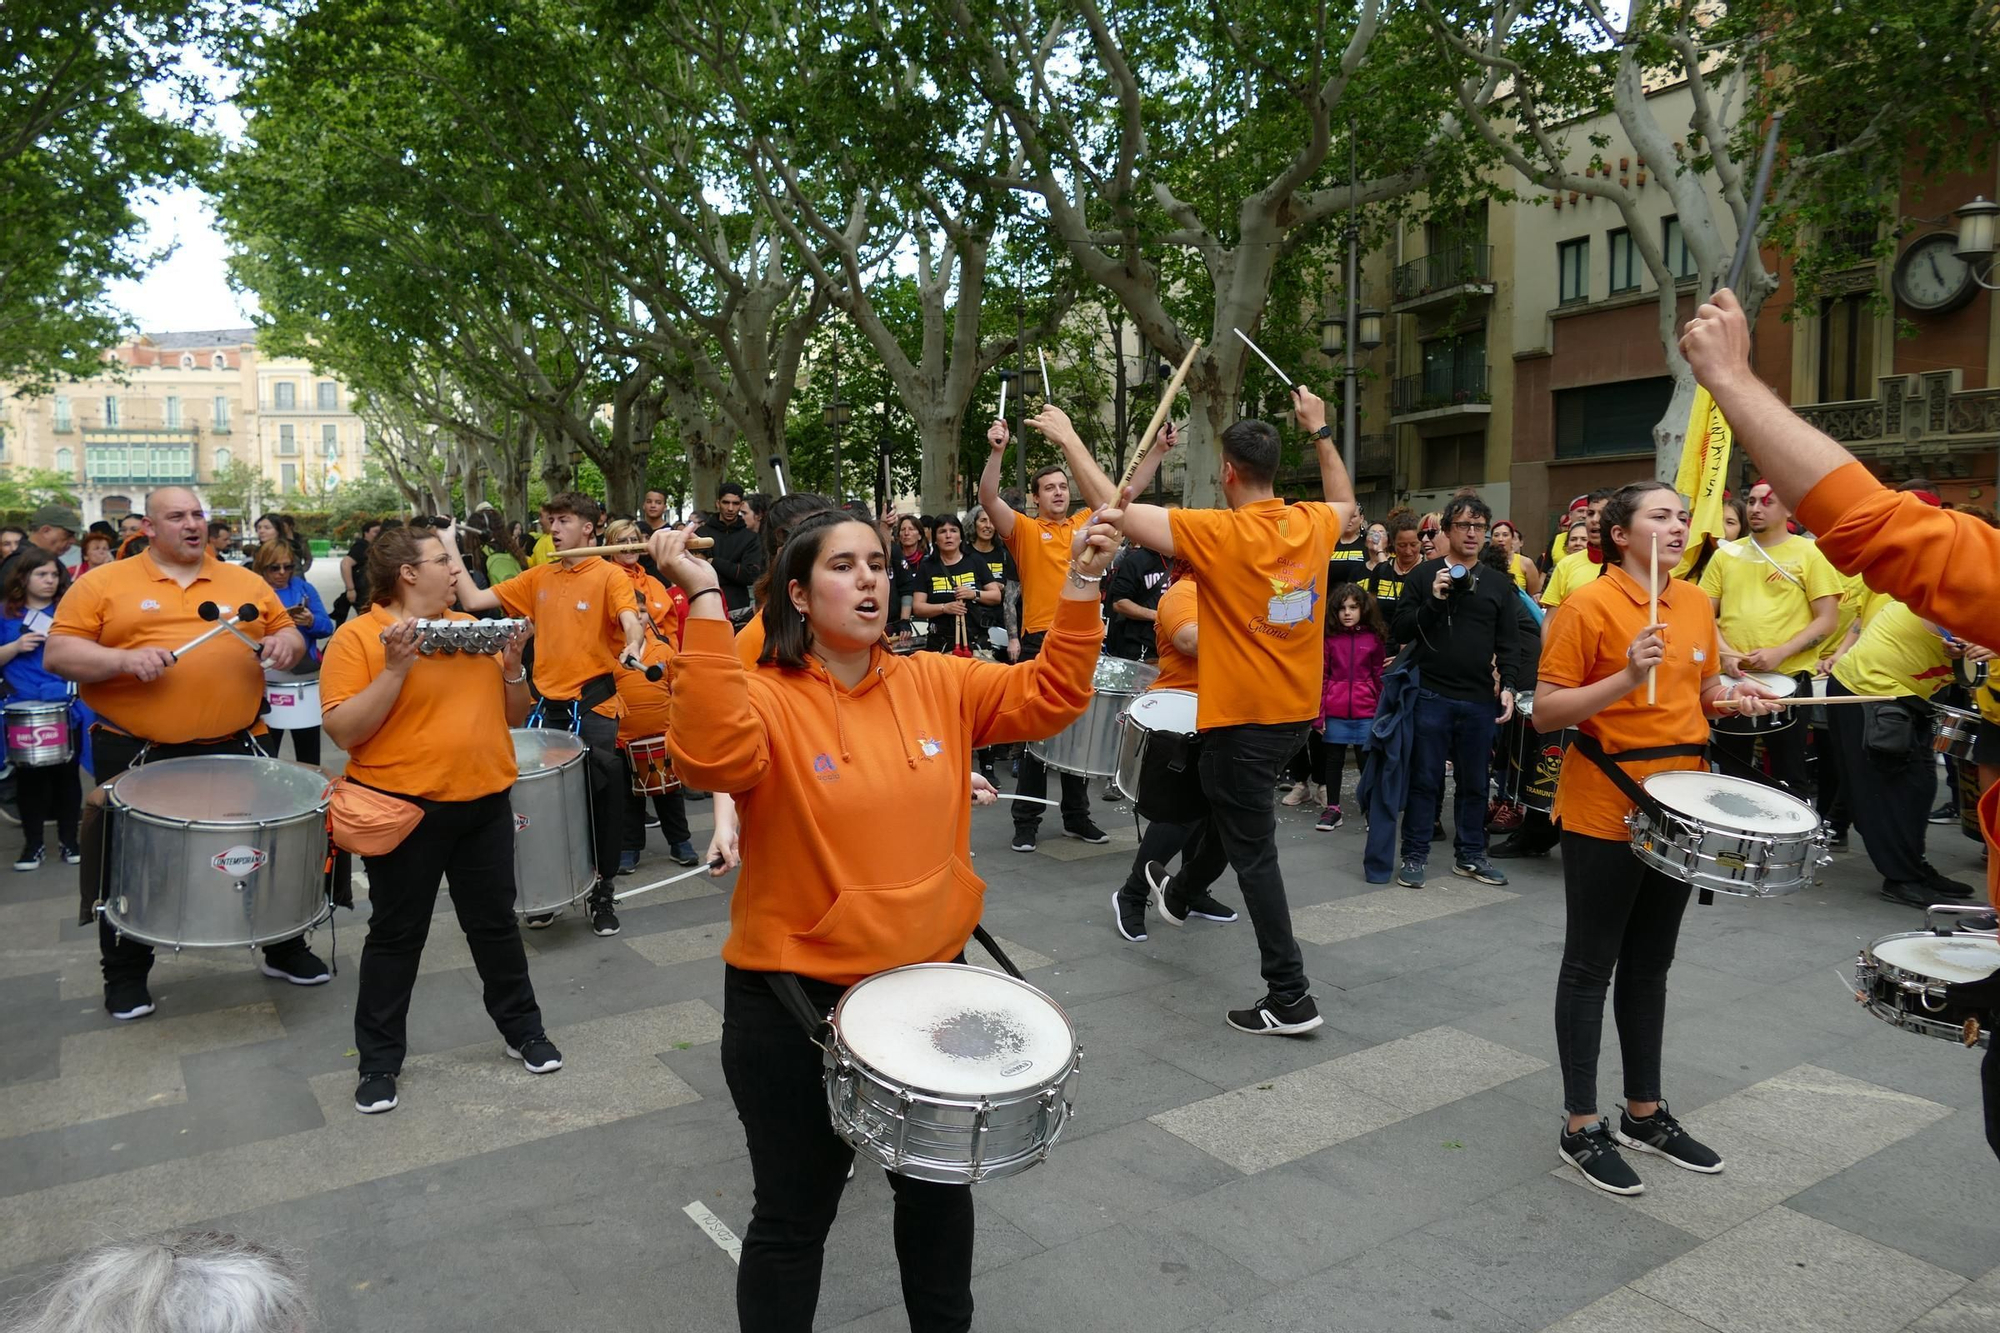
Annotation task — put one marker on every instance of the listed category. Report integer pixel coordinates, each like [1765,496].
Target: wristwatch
[1324,432]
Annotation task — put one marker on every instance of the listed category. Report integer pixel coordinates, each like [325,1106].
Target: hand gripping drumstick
[626,548]
[1653,618]
[1153,426]
[712,866]
[1816,701]
[651,673]
[246,614]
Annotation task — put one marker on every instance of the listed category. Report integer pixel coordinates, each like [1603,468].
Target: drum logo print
[239,861]
[520,822]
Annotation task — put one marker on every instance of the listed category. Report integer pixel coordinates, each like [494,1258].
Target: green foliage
[31,487]
[234,489]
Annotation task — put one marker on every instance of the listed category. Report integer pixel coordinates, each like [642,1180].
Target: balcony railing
[1453,266]
[1450,386]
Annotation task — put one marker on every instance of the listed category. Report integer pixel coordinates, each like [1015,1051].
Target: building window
[328,397]
[111,411]
[187,360]
[287,440]
[66,461]
[171,412]
[1847,349]
[63,420]
[1611,418]
[221,412]
[1673,247]
[1454,460]
[1624,257]
[1573,271]
[3,445]
[288,477]
[220,362]
[329,441]
[284,396]
[222,457]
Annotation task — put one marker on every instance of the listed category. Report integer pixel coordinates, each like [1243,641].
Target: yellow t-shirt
[1571,572]
[1765,602]
[1520,575]
[545,551]
[1897,654]
[1854,598]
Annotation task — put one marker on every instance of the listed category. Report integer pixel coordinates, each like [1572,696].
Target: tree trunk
[939,484]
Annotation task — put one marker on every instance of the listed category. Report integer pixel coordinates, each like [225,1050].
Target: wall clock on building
[1930,279]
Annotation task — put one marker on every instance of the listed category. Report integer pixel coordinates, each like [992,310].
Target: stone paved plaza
[1394,1170]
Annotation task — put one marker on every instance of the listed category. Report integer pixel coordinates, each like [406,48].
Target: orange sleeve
[1566,658]
[1940,563]
[718,740]
[1177,609]
[343,670]
[81,611]
[517,595]
[1033,700]
[618,592]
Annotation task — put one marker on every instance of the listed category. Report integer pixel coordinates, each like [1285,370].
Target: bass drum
[1534,761]
[554,861]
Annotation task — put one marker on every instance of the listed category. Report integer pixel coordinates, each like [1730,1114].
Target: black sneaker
[1591,1151]
[628,863]
[1478,868]
[682,854]
[300,966]
[1085,832]
[603,916]
[1131,917]
[1210,908]
[1662,1135]
[1937,883]
[1329,820]
[30,858]
[541,920]
[652,820]
[71,856]
[1411,874]
[128,1002]
[1270,1017]
[538,1055]
[1944,814]
[1024,839]
[1907,892]
[376,1094]
[1514,847]
[1161,883]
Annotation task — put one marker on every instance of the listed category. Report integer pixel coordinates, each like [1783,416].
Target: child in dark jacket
[1356,640]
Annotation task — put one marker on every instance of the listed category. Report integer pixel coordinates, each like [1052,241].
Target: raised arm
[1099,491]
[1335,484]
[1148,525]
[996,508]
[470,595]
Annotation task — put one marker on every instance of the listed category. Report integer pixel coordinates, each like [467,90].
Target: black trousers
[1829,791]
[1624,919]
[1239,773]
[53,791]
[305,744]
[127,962]
[1332,758]
[1786,748]
[798,1166]
[1897,794]
[1034,779]
[470,845]
[1162,841]
[605,767]
[670,806]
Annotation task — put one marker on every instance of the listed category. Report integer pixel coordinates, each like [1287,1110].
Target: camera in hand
[1463,579]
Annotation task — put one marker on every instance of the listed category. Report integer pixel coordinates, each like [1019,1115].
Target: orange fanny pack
[367,822]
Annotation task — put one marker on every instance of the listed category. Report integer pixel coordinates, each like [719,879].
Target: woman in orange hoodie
[830,733]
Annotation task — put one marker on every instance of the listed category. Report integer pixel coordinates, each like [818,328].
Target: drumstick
[626,548]
[1044,358]
[1267,360]
[714,865]
[246,613]
[1816,702]
[1003,399]
[1653,618]
[1036,800]
[1153,426]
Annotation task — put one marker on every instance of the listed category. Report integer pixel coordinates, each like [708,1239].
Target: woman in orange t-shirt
[1624,916]
[823,740]
[431,730]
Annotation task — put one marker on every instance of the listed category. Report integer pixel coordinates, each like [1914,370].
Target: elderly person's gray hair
[200,1282]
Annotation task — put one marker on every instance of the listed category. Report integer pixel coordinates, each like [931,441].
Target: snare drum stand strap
[992,946]
[793,996]
[1608,764]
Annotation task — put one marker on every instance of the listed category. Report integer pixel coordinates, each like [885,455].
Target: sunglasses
[282,569]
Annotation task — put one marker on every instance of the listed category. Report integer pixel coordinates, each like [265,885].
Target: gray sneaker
[1478,868]
[1411,876]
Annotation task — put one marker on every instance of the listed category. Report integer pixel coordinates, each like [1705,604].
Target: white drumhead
[956,1031]
[1782,686]
[1165,710]
[1940,957]
[1737,803]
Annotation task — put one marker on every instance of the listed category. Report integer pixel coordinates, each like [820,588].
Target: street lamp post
[837,414]
[1361,329]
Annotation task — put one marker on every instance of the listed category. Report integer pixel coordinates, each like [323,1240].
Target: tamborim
[1729,835]
[1089,745]
[950,1073]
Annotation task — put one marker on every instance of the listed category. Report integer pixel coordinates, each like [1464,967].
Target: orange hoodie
[855,807]
[1937,562]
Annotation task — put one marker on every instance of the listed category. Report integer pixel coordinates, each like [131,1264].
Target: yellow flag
[1703,475]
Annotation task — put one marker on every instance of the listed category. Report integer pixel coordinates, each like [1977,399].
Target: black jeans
[1332,759]
[1034,779]
[799,1166]
[1624,917]
[1894,813]
[53,791]
[605,768]
[127,962]
[305,744]
[470,844]
[670,806]
[1162,841]
[1786,749]
[1239,773]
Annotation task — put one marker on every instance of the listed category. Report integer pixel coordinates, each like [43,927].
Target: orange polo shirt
[1263,595]
[1179,608]
[575,607]
[1587,643]
[1040,547]
[217,690]
[445,737]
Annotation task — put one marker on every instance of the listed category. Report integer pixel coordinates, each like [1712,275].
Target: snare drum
[1159,721]
[217,851]
[1953,731]
[1901,979]
[1763,724]
[39,735]
[652,767]
[1729,835]
[1534,761]
[292,698]
[950,1073]
[554,862]
[1089,745]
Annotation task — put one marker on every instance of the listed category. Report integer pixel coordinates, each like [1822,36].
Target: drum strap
[1611,766]
[793,996]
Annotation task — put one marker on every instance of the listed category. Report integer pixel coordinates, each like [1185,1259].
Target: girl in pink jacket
[1356,639]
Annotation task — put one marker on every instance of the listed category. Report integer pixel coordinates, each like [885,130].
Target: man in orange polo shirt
[1262,565]
[586,618]
[115,635]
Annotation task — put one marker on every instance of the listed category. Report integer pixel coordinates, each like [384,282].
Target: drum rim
[1903,975]
[843,1050]
[113,796]
[36,705]
[1766,835]
[582,751]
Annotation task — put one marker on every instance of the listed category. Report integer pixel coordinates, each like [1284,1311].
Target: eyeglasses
[1477,529]
[281,569]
